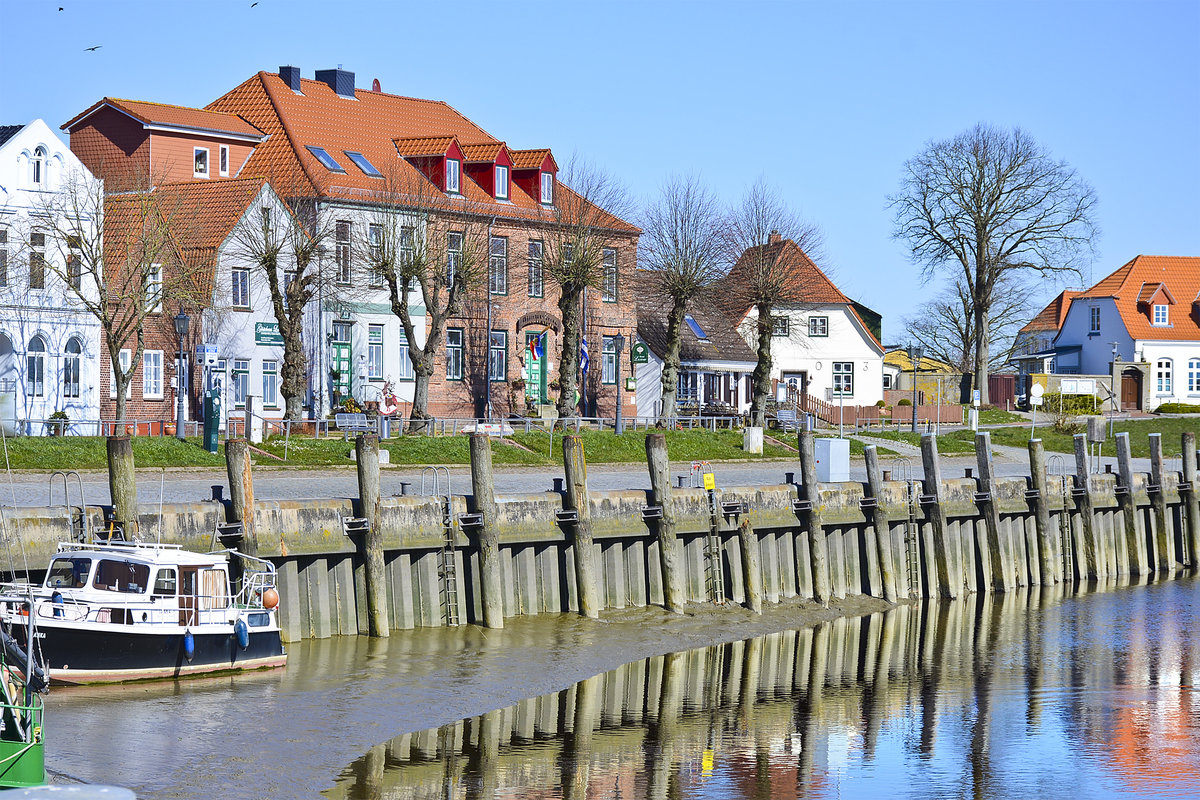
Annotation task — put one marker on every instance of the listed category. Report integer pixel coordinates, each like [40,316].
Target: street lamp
[915,353]
[181,332]
[619,344]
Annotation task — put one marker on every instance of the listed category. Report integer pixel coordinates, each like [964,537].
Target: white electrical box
[833,460]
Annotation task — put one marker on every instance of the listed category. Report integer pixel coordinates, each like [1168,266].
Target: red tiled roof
[1051,317]
[170,116]
[531,159]
[1180,275]
[417,146]
[483,151]
[224,202]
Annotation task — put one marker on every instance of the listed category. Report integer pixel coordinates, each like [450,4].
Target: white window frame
[72,375]
[1193,379]
[223,161]
[154,289]
[547,194]
[843,378]
[406,368]
[497,356]
[1163,376]
[498,265]
[152,374]
[454,354]
[453,176]
[1161,315]
[375,249]
[610,275]
[537,268]
[123,359]
[37,166]
[375,352]
[239,288]
[608,360]
[37,252]
[502,191]
[1094,319]
[35,368]
[239,381]
[270,383]
[818,326]
[887,381]
[454,255]
[341,251]
[781,326]
[196,171]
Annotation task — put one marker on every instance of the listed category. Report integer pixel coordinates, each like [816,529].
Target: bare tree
[423,249]
[683,248]
[760,278]
[990,202]
[591,204]
[945,326]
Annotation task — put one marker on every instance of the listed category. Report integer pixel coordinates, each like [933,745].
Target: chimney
[773,237]
[291,76]
[340,80]
[375,87]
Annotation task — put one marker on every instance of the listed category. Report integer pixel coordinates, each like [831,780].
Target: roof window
[326,160]
[695,326]
[361,162]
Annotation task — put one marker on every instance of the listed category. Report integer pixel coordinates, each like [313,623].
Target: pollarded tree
[991,202]
[684,251]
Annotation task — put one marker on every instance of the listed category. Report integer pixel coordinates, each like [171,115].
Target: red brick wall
[159,335]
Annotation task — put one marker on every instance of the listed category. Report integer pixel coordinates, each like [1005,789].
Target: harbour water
[1041,692]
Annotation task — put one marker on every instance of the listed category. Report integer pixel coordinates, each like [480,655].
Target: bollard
[668,546]
[366,455]
[241,493]
[751,566]
[1134,543]
[1191,498]
[487,538]
[998,554]
[1094,559]
[122,485]
[883,536]
[577,498]
[1158,501]
[1041,512]
[818,548]
[946,555]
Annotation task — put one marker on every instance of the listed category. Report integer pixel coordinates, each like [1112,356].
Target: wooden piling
[241,492]
[1134,543]
[669,551]
[1094,559]
[486,535]
[1051,568]
[945,549]
[818,548]
[578,500]
[998,555]
[751,566]
[122,484]
[1158,501]
[1191,498]
[883,536]
[366,454]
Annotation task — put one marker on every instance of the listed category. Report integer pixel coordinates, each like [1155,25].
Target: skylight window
[326,160]
[695,326]
[361,162]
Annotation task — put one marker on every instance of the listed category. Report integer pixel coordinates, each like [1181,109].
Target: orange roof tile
[170,116]
[1180,276]
[531,159]
[483,151]
[416,146]
[1051,317]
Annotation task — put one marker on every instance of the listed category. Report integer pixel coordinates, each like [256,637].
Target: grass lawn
[1139,436]
[998,416]
[88,452]
[948,444]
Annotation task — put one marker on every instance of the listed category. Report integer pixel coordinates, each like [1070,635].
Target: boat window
[121,576]
[214,589]
[68,572]
[164,583]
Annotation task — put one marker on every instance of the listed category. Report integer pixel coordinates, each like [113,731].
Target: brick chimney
[291,76]
[774,238]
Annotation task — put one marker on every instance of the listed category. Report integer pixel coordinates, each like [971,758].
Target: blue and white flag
[583,357]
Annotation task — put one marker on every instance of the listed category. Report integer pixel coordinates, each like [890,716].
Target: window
[37,261]
[200,156]
[537,263]
[608,262]
[1095,315]
[124,359]
[406,369]
[498,356]
[498,266]
[72,363]
[1162,376]
[608,362]
[3,257]
[152,374]
[240,377]
[501,183]
[548,188]
[452,175]
[454,255]
[375,253]
[887,381]
[74,271]
[223,160]
[37,167]
[154,290]
[270,387]
[240,286]
[695,326]
[843,378]
[327,161]
[781,326]
[266,222]
[1160,314]
[818,326]
[121,576]
[407,251]
[341,250]
[35,368]
[375,352]
[1193,379]
[164,583]
[454,354]
[361,162]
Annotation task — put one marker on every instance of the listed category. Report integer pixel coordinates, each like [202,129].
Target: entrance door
[339,358]
[1131,390]
[795,381]
[536,389]
[187,595]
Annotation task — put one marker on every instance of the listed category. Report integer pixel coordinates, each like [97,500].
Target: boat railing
[70,547]
[132,610]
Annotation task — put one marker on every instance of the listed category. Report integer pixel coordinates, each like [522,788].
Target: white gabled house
[49,344]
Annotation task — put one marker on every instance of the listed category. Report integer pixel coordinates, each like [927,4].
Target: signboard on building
[206,354]
[267,334]
[641,353]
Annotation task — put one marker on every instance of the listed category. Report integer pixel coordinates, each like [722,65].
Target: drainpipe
[487,334]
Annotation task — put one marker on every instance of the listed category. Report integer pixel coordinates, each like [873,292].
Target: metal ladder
[902,469]
[447,566]
[1056,465]
[78,514]
[714,570]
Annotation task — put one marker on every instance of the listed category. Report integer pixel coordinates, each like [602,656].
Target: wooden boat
[120,611]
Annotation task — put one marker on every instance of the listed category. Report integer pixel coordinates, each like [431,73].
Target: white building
[49,344]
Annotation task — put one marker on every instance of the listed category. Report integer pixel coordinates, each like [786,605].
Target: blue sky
[827,100]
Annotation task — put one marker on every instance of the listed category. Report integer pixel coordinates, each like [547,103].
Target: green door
[340,358]
[535,368]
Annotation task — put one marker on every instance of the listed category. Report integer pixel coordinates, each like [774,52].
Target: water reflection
[1029,693]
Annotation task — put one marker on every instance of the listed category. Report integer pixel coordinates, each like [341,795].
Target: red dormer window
[501,183]
[453,176]
[533,171]
[439,158]
[547,194]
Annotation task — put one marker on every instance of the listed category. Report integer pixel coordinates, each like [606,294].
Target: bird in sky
[89,49]
[252,5]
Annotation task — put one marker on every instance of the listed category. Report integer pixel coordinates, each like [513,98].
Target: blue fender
[189,645]
[242,632]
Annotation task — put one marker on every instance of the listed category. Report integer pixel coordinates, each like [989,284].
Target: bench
[349,423]
[786,418]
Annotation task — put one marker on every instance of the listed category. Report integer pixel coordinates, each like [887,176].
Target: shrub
[1178,408]
[904,401]
[1069,403]
[880,404]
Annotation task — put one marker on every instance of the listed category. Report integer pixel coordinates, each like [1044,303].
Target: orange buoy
[270,597]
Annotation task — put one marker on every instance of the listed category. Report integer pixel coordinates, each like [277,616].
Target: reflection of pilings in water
[660,750]
[579,745]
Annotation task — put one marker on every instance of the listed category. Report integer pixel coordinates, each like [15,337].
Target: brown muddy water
[1037,693]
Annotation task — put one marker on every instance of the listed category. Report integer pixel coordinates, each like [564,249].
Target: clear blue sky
[827,100]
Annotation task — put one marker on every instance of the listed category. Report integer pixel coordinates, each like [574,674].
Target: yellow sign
[710,482]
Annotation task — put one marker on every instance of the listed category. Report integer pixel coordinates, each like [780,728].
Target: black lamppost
[181,332]
[619,344]
[915,354]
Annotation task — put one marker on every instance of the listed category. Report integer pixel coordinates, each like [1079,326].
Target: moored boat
[22,681]
[120,611]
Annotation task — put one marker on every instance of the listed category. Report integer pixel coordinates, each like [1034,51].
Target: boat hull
[22,764]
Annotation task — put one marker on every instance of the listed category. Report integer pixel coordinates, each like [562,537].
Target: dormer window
[37,167]
[1160,314]
[327,161]
[453,176]
[362,163]
[548,188]
[200,159]
[501,183]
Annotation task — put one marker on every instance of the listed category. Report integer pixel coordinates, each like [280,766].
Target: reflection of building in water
[953,697]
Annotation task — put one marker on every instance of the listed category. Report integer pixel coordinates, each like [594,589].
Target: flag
[535,346]
[583,357]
